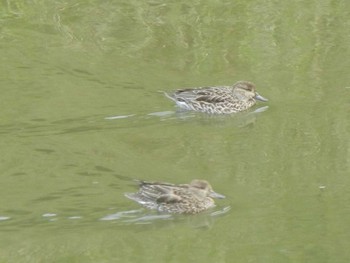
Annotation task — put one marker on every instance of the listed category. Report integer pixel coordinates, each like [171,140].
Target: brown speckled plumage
[181,199]
[218,100]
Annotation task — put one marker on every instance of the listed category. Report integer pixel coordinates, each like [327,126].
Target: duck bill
[216,195]
[259,97]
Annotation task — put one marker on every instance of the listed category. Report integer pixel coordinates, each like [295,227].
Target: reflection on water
[35,128]
[241,119]
[143,216]
[135,216]
[139,216]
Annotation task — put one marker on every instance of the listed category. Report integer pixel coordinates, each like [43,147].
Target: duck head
[245,90]
[204,189]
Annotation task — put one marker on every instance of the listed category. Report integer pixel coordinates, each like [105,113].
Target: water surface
[83,115]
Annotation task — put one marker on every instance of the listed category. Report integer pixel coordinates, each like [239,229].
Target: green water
[82,115]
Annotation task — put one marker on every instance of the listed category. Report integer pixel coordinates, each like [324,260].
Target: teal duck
[217,100]
[179,199]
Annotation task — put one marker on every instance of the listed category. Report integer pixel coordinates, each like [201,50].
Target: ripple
[3,218]
[119,117]
[142,216]
[49,215]
[121,215]
[221,212]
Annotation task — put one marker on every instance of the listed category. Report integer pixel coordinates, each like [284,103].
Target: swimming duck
[217,100]
[180,199]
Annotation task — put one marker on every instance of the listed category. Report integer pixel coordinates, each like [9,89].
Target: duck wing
[204,94]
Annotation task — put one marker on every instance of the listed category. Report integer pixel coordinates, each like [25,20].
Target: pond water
[83,114]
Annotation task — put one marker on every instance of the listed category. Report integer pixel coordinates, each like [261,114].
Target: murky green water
[82,116]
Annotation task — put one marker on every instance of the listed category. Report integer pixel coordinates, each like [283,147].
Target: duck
[191,198]
[218,99]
